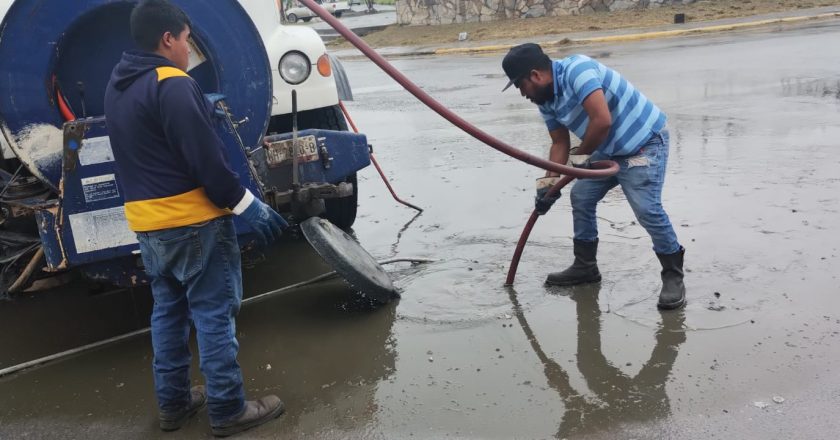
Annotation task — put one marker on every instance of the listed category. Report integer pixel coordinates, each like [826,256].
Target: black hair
[150,19]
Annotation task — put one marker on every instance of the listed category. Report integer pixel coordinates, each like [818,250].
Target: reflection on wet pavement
[618,398]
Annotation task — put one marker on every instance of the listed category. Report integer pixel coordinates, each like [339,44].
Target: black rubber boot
[172,421]
[256,413]
[583,270]
[672,295]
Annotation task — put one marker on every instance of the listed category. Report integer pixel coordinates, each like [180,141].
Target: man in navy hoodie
[180,197]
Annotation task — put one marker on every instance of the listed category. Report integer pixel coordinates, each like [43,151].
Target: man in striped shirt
[613,121]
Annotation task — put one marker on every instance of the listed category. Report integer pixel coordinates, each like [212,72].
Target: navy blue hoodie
[170,160]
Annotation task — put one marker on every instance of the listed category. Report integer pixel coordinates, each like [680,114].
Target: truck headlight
[295,67]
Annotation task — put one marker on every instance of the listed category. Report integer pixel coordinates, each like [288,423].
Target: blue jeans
[641,178]
[196,276]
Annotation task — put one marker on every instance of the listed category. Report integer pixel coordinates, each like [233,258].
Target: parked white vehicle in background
[300,12]
[339,6]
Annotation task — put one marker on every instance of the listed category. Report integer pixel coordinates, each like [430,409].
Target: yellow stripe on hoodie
[175,211]
[164,72]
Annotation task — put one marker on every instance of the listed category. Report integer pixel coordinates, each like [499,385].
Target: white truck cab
[299,61]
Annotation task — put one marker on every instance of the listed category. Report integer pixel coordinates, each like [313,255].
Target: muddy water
[752,190]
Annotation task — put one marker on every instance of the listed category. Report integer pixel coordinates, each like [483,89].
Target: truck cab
[318,93]
[283,45]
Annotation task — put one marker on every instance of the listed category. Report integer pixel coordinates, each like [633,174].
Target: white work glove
[580,160]
[542,203]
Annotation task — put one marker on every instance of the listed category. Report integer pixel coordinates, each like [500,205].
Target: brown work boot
[172,421]
[583,270]
[256,413]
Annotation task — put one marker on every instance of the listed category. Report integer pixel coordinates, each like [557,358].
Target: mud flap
[342,84]
[349,259]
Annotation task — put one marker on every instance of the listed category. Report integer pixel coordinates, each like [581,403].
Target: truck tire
[338,14]
[292,18]
[306,19]
[340,212]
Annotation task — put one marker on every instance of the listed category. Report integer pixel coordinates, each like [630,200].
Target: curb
[630,37]
[330,34]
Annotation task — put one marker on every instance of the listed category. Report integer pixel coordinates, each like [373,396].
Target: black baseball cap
[521,60]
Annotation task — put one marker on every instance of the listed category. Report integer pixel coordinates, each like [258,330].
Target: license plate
[280,152]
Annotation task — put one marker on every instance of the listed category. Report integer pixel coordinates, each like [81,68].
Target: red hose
[461,123]
[523,238]
[375,163]
[63,107]
[388,184]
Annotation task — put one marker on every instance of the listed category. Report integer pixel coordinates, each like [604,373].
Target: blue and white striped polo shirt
[634,117]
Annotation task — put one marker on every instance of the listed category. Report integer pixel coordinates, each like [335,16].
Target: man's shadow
[619,398]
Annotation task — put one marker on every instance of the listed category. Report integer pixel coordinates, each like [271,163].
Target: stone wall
[460,11]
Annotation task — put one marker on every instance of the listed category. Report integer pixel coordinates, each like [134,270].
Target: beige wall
[460,11]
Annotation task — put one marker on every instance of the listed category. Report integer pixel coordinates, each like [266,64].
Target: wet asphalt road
[752,190]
